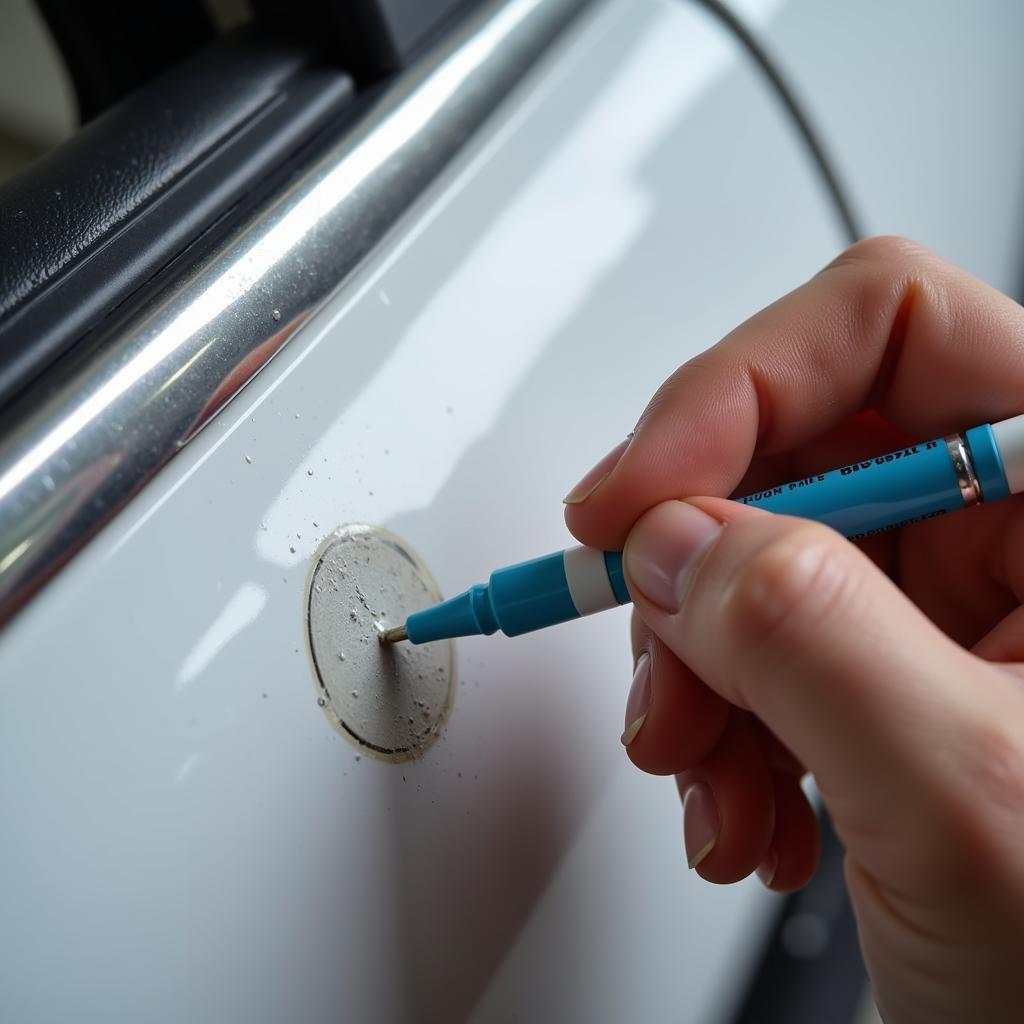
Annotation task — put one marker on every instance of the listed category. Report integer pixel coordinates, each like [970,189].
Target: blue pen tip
[469,614]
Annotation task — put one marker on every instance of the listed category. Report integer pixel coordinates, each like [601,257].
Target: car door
[433,325]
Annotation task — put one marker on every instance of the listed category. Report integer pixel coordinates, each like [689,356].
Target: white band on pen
[1009,438]
[589,586]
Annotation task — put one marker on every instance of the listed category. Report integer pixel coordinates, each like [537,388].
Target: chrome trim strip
[69,464]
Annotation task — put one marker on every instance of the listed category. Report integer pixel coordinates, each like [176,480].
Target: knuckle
[884,280]
[883,251]
[785,592]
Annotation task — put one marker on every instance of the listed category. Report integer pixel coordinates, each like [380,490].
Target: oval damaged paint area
[391,700]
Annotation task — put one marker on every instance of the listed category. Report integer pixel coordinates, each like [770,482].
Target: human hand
[768,646]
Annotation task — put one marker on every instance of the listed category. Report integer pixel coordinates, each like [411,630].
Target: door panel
[188,839]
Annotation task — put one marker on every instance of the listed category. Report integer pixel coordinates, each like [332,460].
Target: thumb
[786,619]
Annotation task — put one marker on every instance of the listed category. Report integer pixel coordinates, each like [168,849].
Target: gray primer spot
[391,700]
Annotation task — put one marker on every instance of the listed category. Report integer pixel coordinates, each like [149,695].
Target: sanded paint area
[392,701]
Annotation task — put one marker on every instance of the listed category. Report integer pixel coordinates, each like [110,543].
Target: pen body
[527,596]
[891,490]
[859,500]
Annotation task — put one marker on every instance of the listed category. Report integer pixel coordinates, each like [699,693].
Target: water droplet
[248,459]
[263,525]
[275,314]
[48,482]
[321,702]
[355,693]
[309,472]
[292,549]
[341,655]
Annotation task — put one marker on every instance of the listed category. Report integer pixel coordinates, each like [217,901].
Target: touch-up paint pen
[864,498]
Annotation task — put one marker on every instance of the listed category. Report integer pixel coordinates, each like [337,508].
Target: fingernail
[767,868]
[700,822]
[639,699]
[663,550]
[597,476]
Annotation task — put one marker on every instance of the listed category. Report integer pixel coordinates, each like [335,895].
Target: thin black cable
[841,201]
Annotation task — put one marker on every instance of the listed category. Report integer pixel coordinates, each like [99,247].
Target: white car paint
[186,837]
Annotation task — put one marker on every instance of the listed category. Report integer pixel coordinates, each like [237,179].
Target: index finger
[888,326]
